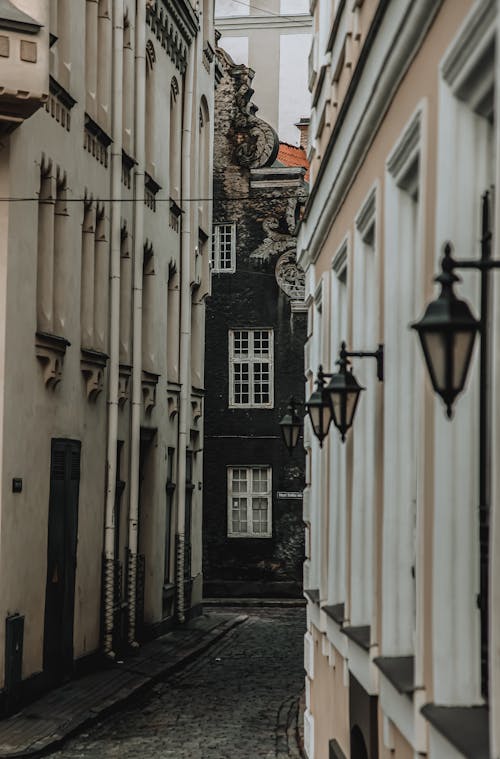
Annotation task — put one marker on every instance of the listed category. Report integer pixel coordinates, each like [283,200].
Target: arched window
[358,745]
[175,143]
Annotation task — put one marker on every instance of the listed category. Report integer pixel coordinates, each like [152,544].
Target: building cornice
[394,38]
[15,20]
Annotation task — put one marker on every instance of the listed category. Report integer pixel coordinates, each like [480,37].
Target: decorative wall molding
[124,374]
[96,141]
[50,351]
[93,364]
[59,104]
[290,277]
[256,142]
[149,383]
[174,25]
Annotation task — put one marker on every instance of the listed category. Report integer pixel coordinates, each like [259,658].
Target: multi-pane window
[224,248]
[251,368]
[249,502]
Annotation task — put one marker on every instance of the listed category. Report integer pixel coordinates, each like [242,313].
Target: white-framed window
[249,491]
[224,248]
[251,368]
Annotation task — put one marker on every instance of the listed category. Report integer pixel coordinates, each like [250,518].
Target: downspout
[135,432]
[114,329]
[185,326]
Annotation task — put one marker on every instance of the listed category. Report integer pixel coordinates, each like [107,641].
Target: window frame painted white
[252,359]
[463,132]
[338,316]
[403,401]
[365,337]
[249,495]
[217,268]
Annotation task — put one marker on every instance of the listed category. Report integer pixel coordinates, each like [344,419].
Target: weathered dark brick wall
[251,298]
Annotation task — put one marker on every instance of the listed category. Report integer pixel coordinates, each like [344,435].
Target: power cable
[290,17]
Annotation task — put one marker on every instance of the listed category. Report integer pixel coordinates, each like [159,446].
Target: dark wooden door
[61,558]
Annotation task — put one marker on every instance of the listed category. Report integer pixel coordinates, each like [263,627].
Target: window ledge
[50,351]
[312,594]
[335,612]
[399,670]
[359,635]
[335,752]
[169,590]
[465,727]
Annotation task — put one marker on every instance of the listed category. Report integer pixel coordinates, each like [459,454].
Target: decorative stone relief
[50,351]
[257,143]
[93,364]
[172,406]
[149,383]
[123,384]
[290,277]
[275,243]
[197,410]
[173,28]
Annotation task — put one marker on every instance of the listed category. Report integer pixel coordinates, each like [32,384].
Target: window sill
[399,670]
[335,752]
[359,635]
[465,727]
[335,612]
[312,594]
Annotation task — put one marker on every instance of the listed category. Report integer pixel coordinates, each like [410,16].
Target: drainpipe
[135,433]
[114,330]
[185,326]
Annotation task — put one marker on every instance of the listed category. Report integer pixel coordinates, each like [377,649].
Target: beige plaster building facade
[403,612]
[106,113]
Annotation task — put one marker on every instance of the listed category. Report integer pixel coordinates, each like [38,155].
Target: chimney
[303,127]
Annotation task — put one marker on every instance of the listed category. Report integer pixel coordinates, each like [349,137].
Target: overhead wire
[291,17]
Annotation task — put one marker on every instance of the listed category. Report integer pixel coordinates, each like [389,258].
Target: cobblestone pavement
[239,700]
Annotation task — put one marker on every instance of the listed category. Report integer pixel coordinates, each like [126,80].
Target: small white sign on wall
[291,494]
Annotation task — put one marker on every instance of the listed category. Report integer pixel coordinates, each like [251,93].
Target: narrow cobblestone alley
[239,700]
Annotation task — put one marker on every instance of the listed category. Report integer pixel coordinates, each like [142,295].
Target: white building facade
[273,38]
[401,649]
[105,217]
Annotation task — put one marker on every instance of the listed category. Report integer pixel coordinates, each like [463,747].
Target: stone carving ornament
[257,143]
[290,277]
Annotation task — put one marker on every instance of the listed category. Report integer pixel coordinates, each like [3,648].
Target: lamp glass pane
[336,401]
[287,433]
[462,351]
[434,347]
[351,403]
[321,417]
[295,432]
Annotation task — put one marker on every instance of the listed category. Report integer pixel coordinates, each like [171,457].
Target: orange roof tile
[293,156]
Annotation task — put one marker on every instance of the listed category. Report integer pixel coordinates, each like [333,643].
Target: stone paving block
[66,709]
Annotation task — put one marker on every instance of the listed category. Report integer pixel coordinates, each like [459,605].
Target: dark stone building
[255,334]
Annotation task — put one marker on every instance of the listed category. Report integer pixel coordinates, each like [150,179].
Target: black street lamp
[319,408]
[291,425]
[447,332]
[345,390]
[339,400]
